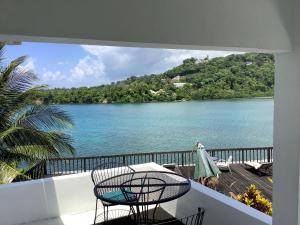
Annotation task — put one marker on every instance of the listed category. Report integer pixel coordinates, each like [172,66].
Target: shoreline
[192,100]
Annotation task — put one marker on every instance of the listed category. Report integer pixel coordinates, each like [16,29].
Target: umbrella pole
[189,166]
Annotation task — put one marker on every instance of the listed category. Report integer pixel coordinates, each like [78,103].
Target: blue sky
[68,65]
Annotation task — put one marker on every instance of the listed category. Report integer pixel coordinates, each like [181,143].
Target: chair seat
[254,165]
[222,164]
[119,196]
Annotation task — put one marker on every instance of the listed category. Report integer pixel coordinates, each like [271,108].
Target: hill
[233,76]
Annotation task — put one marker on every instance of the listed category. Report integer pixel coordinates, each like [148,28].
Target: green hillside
[234,76]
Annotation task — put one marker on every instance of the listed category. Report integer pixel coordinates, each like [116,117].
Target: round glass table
[141,189]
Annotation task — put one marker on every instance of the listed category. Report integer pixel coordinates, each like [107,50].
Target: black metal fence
[62,166]
[242,155]
[82,164]
[39,170]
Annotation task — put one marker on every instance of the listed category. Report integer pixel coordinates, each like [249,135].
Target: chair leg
[96,211]
[229,168]
[105,212]
[153,216]
[133,214]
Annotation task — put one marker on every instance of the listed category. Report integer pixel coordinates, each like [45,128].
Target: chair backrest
[195,219]
[107,170]
[229,160]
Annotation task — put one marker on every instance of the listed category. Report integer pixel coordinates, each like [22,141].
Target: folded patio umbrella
[205,166]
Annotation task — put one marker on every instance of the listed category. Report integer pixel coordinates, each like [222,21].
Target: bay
[104,129]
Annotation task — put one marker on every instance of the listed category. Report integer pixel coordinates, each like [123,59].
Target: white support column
[287,131]
[286,140]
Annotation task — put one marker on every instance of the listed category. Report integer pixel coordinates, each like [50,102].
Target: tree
[191,60]
[29,131]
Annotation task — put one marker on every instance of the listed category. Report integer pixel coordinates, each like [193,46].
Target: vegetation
[234,76]
[253,198]
[211,182]
[29,131]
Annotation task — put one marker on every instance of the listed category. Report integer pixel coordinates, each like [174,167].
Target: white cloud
[88,67]
[53,76]
[120,55]
[175,56]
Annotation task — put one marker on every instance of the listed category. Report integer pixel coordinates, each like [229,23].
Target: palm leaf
[44,117]
[2,44]
[13,104]
[9,173]
[57,143]
[15,90]
[26,153]
[10,73]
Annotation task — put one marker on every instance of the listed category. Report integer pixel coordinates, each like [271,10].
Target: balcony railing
[62,166]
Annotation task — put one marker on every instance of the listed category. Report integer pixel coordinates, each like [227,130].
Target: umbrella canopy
[205,166]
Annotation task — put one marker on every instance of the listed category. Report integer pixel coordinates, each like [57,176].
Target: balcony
[69,199]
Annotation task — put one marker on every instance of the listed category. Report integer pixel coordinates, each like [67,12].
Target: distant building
[153,92]
[177,78]
[179,85]
[249,63]
[160,91]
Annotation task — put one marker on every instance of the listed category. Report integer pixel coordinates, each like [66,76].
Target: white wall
[210,24]
[47,198]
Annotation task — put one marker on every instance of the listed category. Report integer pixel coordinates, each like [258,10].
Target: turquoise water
[123,128]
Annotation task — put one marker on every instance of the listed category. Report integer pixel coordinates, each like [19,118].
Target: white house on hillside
[179,85]
[177,78]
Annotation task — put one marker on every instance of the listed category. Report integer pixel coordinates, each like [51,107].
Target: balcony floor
[240,178]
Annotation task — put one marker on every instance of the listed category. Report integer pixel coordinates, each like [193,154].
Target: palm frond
[15,90]
[14,105]
[26,153]
[57,143]
[8,173]
[11,74]
[44,117]
[2,44]
[20,80]
[62,142]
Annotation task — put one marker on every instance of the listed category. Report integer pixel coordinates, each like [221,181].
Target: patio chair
[224,164]
[195,219]
[260,168]
[105,171]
